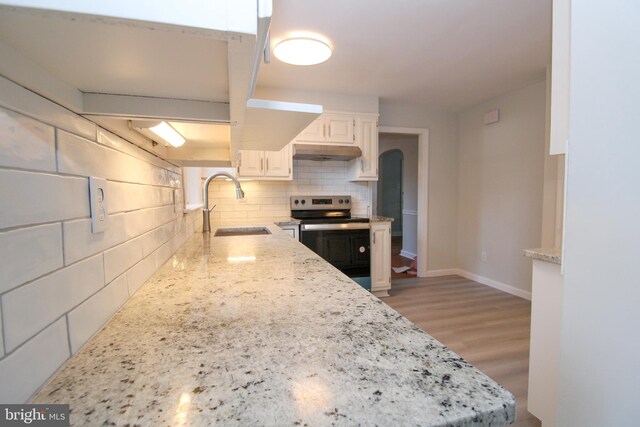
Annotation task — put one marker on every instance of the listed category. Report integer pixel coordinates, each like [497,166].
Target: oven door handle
[344,226]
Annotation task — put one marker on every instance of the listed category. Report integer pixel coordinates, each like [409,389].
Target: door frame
[423,189]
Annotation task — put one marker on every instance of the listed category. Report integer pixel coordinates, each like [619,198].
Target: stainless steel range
[328,229]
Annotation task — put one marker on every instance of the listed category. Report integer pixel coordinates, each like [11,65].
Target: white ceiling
[444,54]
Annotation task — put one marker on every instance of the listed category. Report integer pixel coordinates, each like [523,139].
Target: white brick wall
[267,199]
[59,283]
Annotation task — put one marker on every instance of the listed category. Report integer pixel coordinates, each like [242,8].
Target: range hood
[320,152]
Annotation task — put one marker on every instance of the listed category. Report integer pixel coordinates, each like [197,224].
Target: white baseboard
[444,272]
[495,284]
[407,254]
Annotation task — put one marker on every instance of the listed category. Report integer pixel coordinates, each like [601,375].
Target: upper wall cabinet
[266,165]
[338,128]
[365,168]
[361,129]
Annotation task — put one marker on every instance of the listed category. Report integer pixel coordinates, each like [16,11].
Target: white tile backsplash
[89,316]
[79,242]
[28,253]
[30,308]
[128,197]
[119,259]
[16,98]
[111,140]
[33,198]
[139,222]
[54,268]
[139,273]
[153,239]
[24,371]
[26,142]
[266,199]
[77,157]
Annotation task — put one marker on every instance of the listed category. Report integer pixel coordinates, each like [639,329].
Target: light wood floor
[487,327]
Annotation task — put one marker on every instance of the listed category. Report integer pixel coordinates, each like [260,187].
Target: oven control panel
[320,202]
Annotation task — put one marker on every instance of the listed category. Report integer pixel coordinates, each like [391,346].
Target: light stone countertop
[259,330]
[375,218]
[553,255]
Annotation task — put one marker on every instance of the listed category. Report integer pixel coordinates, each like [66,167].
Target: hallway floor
[398,260]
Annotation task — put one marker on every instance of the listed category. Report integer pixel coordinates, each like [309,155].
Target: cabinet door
[251,163]
[340,128]
[278,163]
[368,128]
[314,132]
[381,258]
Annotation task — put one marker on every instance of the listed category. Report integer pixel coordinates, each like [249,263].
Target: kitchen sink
[241,231]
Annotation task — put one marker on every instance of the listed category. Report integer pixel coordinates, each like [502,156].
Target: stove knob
[341,201]
[296,201]
[303,201]
[346,201]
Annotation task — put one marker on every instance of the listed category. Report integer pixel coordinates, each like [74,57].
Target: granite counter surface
[553,255]
[376,218]
[259,330]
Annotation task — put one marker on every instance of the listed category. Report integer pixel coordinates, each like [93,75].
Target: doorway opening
[396,196]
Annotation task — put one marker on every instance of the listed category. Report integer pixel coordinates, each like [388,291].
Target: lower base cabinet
[380,258]
[544,353]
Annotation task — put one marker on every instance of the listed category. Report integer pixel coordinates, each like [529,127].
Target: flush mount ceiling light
[302,51]
[156,130]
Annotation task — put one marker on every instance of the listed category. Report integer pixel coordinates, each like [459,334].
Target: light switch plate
[98,202]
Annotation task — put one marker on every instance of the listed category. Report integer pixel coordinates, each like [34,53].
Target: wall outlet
[98,204]
[484,256]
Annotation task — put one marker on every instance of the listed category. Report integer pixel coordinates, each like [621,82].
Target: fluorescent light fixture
[159,130]
[302,51]
[165,131]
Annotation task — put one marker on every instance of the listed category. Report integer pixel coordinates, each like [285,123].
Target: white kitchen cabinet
[365,167]
[266,164]
[330,127]
[292,230]
[250,163]
[340,128]
[381,258]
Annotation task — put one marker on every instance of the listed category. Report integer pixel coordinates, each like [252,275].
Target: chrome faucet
[206,221]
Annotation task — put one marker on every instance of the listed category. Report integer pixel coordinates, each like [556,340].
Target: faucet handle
[211,208]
